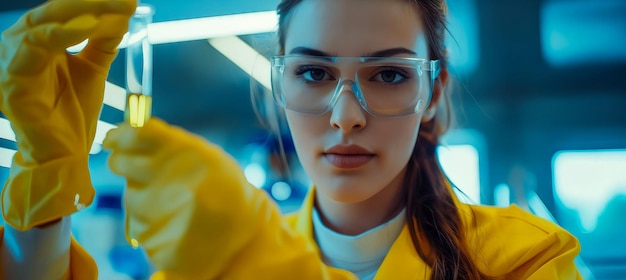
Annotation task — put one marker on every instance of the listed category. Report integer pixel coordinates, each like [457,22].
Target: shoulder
[510,218]
[511,241]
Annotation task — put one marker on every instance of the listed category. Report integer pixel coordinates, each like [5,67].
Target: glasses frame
[423,65]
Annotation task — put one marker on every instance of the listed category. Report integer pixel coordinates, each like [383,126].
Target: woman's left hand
[189,205]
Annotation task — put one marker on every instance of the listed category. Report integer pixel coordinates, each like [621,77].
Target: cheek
[300,126]
[305,130]
[399,136]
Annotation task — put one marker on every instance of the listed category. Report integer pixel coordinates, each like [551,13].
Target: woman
[362,83]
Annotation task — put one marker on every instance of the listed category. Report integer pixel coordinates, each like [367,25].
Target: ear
[440,84]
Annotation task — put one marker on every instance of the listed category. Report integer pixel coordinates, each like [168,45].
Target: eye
[390,76]
[312,73]
[315,74]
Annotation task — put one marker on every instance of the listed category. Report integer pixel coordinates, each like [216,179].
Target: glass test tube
[139,68]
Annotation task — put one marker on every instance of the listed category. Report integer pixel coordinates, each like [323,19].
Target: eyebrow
[381,53]
[308,51]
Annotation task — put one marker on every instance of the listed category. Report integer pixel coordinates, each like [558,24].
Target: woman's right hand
[53,101]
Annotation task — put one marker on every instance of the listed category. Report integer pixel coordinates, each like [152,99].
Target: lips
[348,156]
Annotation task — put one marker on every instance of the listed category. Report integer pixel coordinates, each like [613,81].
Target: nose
[347,114]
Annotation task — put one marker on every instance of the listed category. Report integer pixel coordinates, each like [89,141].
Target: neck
[354,218]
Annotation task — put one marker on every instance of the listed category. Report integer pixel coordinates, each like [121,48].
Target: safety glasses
[384,86]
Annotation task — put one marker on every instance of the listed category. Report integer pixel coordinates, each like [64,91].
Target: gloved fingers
[32,53]
[103,42]
[139,168]
[59,24]
[65,10]
[152,136]
[58,36]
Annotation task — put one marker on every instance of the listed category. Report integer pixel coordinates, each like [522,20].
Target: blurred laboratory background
[540,92]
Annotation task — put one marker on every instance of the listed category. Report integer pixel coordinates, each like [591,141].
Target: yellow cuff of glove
[25,203]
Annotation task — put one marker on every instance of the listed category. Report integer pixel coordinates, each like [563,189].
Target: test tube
[139,68]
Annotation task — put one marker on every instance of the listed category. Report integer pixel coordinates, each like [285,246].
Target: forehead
[355,27]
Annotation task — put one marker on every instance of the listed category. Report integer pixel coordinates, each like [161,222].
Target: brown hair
[432,215]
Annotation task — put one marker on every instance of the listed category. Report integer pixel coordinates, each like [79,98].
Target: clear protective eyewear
[384,86]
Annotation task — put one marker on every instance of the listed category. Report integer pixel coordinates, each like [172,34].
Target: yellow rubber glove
[191,208]
[53,100]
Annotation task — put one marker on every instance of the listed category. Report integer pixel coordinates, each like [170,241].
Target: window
[586,182]
[461,160]
[590,199]
[582,32]
[462,40]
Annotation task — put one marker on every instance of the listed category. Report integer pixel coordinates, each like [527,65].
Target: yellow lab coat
[506,243]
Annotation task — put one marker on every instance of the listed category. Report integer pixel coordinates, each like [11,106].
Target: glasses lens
[307,84]
[393,87]
[386,87]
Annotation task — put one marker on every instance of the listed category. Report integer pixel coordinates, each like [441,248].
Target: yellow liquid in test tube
[138,109]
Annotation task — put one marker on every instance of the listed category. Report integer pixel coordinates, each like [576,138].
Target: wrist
[39,194]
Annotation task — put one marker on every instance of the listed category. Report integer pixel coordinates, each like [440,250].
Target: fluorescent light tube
[114,96]
[6,156]
[245,57]
[6,132]
[212,27]
[203,28]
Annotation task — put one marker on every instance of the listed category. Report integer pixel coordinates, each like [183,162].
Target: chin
[347,192]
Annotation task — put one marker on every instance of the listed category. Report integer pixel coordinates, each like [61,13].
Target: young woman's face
[349,154]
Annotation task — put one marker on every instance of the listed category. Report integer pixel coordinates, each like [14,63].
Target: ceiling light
[212,27]
[203,28]
[114,96]
[245,57]
[6,156]
[6,132]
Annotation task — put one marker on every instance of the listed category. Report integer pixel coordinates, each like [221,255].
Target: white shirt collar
[361,254]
